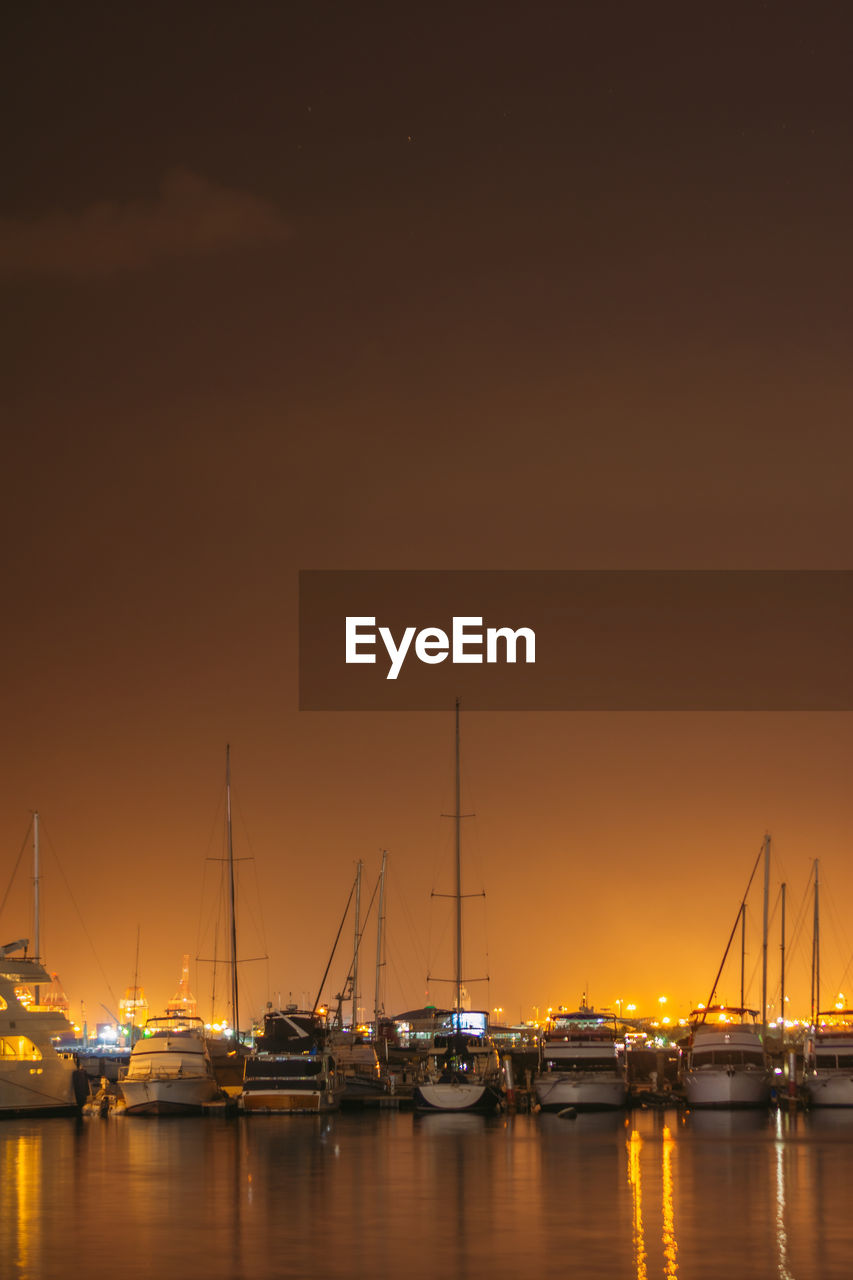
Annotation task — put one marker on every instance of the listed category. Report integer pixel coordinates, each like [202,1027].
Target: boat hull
[46,1088]
[168,1097]
[453,1096]
[555,1092]
[830,1090]
[289,1101]
[726,1088]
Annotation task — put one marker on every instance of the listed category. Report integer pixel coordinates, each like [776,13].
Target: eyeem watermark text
[466,643]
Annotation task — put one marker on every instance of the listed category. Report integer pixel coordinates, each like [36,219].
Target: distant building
[183,1001]
[54,997]
[133,1008]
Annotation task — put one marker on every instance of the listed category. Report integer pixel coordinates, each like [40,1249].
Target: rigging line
[216,828]
[17,864]
[710,999]
[88,936]
[800,919]
[827,901]
[260,902]
[412,940]
[360,937]
[397,967]
[334,948]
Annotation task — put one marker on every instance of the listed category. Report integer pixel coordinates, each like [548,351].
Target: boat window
[582,1064]
[19,1047]
[3,1004]
[289,1068]
[728,1057]
[845,1059]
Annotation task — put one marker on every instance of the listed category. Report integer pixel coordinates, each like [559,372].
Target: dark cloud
[189,216]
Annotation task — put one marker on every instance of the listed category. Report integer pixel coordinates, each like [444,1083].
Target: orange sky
[325,290]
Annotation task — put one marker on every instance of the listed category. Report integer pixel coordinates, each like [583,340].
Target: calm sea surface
[393,1194]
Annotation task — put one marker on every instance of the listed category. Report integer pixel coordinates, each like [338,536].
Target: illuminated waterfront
[651,1194]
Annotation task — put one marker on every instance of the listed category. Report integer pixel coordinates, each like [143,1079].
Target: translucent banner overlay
[656,640]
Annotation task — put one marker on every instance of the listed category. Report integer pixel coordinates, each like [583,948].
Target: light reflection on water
[701,1195]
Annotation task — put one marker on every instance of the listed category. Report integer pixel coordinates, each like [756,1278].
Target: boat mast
[36,907]
[458,818]
[816,946]
[356,943]
[782,979]
[742,947]
[376,1005]
[233,907]
[764,941]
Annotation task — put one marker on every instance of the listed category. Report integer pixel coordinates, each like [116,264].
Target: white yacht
[726,1065]
[828,1076]
[581,1063]
[292,1068]
[34,1078]
[170,1070]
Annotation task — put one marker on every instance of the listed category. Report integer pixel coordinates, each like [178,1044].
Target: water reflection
[781,1233]
[728,1124]
[20,1203]
[670,1245]
[635,1144]
[650,1157]
[658,1194]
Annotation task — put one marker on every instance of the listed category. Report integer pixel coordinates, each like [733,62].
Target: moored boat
[461,1070]
[581,1063]
[292,1068]
[170,1070]
[34,1077]
[726,1064]
[828,1075]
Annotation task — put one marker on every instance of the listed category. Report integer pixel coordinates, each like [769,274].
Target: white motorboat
[726,1065]
[581,1063]
[34,1078]
[292,1068]
[828,1076]
[170,1070]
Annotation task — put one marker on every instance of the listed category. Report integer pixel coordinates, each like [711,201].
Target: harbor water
[381,1194]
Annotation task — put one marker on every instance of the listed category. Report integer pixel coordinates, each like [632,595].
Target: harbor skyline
[358,290]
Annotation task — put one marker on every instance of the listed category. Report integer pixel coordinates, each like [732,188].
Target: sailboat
[227,1052]
[726,1058]
[828,1074]
[355,1053]
[462,1069]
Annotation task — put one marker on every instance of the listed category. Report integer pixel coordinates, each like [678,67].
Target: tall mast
[36,906]
[356,943]
[782,979]
[233,906]
[742,946]
[764,943]
[458,817]
[816,946]
[376,1004]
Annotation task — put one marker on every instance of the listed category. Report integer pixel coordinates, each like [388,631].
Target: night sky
[483,286]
